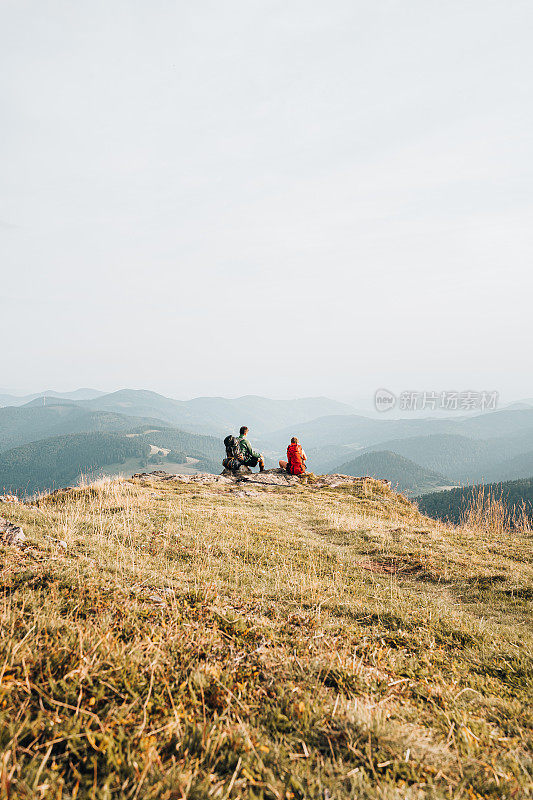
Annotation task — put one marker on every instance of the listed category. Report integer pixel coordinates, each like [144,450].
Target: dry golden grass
[208,641]
[488,511]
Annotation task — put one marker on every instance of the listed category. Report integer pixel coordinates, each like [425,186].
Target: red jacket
[296,463]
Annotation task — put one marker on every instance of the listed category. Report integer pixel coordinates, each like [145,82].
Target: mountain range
[467,459]
[218,415]
[418,455]
[7,399]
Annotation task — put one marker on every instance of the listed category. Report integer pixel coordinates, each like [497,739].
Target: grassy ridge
[280,643]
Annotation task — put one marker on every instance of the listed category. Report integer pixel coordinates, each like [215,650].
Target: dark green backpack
[233,448]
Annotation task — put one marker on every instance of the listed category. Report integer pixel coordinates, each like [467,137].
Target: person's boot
[261,465]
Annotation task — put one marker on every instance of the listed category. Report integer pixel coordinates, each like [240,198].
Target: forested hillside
[60,460]
[30,423]
[451,505]
[465,459]
[404,474]
[194,445]
[512,468]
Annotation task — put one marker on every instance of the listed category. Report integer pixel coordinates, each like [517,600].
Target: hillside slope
[30,423]
[206,447]
[214,639]
[60,460]
[521,466]
[467,460]
[404,474]
[516,496]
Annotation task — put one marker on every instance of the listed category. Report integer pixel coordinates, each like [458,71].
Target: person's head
[243,431]
[294,440]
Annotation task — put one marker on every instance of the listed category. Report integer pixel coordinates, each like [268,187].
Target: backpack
[233,448]
[296,465]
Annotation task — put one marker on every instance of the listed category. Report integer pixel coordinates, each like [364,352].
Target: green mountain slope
[60,460]
[31,423]
[521,466]
[191,443]
[465,459]
[55,461]
[323,460]
[404,474]
[208,451]
[451,505]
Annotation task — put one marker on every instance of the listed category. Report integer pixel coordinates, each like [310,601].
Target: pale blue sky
[292,197]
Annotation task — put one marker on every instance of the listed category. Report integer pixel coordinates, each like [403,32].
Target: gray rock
[243,470]
[11,534]
[272,477]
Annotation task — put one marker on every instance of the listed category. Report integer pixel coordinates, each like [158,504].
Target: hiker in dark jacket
[251,457]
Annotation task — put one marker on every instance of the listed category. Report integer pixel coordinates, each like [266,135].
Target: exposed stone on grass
[9,498]
[273,477]
[11,535]
[243,470]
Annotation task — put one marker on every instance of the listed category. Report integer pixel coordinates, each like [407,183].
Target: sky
[266,197]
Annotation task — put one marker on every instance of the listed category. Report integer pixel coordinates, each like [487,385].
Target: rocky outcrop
[272,477]
[243,470]
[11,534]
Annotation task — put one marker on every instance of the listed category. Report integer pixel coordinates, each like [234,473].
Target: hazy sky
[291,196]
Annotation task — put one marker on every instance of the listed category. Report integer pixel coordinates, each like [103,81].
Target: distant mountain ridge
[364,432]
[405,475]
[493,446]
[23,424]
[8,399]
[218,415]
[465,459]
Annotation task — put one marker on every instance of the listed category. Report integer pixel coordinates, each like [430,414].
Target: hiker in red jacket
[296,458]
